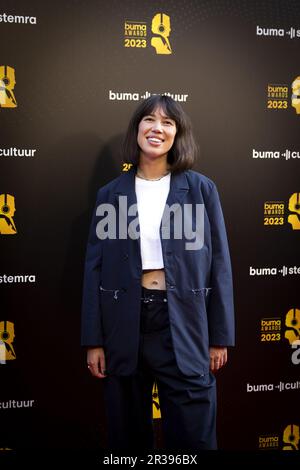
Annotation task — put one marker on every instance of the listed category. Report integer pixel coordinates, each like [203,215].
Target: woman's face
[156,134]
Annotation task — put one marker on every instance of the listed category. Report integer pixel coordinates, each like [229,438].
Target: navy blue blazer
[198,282]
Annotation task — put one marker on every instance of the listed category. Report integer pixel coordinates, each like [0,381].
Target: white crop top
[151,199]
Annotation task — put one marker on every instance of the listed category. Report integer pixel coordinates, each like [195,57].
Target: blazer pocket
[202,294]
[112,293]
[205,291]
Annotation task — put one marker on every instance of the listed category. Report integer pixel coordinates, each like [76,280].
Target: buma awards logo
[277,329]
[278,95]
[161,27]
[7,85]
[7,335]
[292,333]
[291,437]
[275,212]
[294,208]
[296,94]
[136,34]
[7,212]
[155,402]
[288,440]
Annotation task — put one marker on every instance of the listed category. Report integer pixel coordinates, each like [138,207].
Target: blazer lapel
[127,205]
[178,189]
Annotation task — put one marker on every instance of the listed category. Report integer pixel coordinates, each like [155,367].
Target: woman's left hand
[218,357]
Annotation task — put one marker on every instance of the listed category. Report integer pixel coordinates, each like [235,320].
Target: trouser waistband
[153,295]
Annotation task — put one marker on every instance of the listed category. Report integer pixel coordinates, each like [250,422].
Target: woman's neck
[153,170]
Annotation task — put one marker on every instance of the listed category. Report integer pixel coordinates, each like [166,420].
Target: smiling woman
[167,120]
[155,308]
[155,136]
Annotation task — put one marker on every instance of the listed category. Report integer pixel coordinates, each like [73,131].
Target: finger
[217,362]
[94,370]
[223,358]
[102,366]
[213,365]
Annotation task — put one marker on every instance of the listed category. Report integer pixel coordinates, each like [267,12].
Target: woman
[157,301]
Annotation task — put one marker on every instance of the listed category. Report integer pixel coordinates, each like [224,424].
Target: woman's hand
[218,357]
[96,362]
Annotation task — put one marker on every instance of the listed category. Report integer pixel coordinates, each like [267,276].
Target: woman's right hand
[96,362]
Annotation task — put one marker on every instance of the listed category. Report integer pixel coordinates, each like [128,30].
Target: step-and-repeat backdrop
[71,74]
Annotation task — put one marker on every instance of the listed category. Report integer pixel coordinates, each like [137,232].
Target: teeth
[153,139]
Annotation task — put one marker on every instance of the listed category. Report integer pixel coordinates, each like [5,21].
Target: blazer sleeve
[221,323]
[91,318]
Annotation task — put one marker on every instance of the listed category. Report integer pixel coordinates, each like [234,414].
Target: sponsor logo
[274,271]
[161,28]
[136,34]
[7,336]
[271,331]
[273,387]
[268,442]
[155,403]
[7,212]
[278,95]
[296,95]
[16,152]
[17,279]
[287,440]
[7,85]
[6,405]
[294,208]
[291,33]
[275,154]
[136,96]
[292,333]
[275,212]
[291,437]
[5,18]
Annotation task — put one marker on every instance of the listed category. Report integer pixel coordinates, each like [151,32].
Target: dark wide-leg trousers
[187,404]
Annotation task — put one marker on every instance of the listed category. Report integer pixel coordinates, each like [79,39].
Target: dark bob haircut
[183,153]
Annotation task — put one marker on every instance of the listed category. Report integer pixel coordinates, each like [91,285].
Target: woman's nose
[157,126]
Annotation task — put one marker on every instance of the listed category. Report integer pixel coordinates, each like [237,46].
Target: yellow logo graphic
[7,335]
[7,85]
[294,206]
[155,402]
[161,27]
[292,323]
[291,437]
[7,211]
[296,94]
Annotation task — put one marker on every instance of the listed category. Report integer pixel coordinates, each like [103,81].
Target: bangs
[168,106]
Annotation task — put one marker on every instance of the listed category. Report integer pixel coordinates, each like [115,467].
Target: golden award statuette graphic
[7,335]
[155,403]
[292,323]
[7,211]
[294,206]
[291,437]
[296,94]
[161,27]
[7,85]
